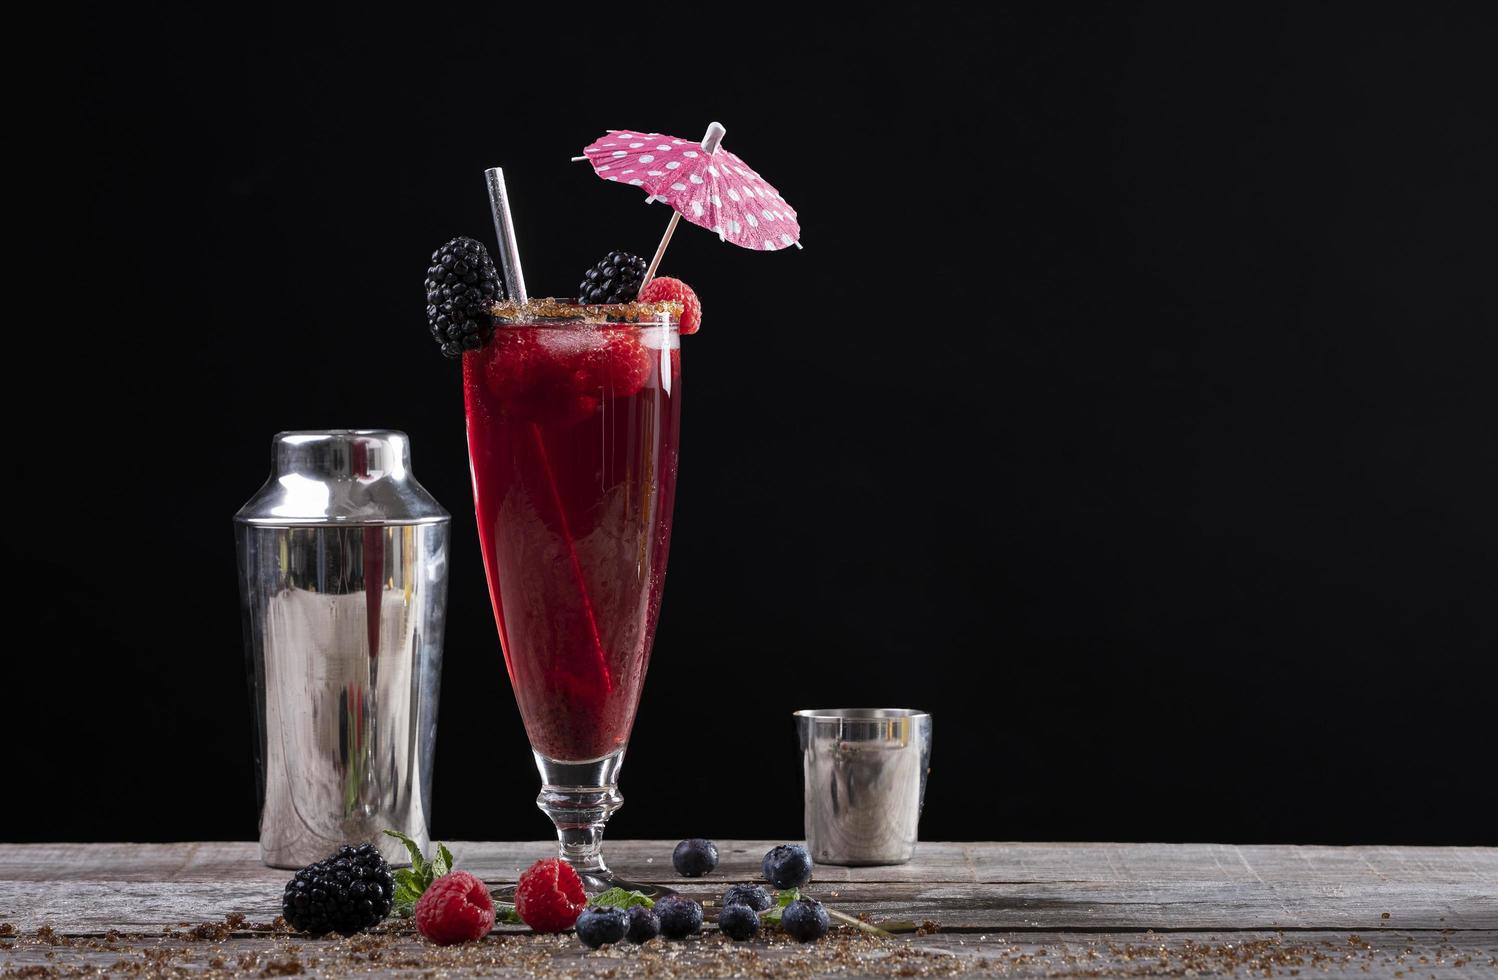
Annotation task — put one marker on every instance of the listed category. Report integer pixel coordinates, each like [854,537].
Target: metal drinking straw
[504,230]
[509,264]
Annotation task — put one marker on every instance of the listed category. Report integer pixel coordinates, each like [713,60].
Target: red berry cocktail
[572,440]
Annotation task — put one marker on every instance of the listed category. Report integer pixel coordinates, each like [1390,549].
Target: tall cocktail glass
[572,441]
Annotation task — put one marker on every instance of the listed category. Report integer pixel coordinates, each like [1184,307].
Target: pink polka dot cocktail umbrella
[702,182]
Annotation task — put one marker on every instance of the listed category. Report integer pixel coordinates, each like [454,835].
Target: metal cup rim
[860,714]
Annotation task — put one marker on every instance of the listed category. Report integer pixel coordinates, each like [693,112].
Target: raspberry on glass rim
[664,288]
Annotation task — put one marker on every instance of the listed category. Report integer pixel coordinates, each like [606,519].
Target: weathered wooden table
[999,909]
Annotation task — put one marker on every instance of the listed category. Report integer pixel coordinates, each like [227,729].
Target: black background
[1130,407]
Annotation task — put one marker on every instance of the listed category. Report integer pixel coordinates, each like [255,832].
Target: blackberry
[614,280]
[738,922]
[787,866]
[346,892]
[695,857]
[461,287]
[753,896]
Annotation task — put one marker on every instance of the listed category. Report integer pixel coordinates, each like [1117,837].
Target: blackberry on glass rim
[462,288]
[615,279]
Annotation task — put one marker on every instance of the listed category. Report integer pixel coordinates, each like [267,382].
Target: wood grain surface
[1001,909]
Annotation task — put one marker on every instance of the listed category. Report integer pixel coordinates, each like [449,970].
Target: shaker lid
[341,476]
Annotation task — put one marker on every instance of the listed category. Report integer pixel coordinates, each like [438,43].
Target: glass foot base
[601,881]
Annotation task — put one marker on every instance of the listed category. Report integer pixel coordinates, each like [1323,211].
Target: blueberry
[601,925]
[753,896]
[738,922]
[695,857]
[805,920]
[680,916]
[787,866]
[644,924]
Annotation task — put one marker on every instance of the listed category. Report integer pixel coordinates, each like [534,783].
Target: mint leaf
[408,888]
[771,915]
[418,863]
[442,863]
[505,912]
[411,883]
[618,898]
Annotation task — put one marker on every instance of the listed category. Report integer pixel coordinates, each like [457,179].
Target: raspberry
[535,383]
[561,379]
[620,365]
[454,909]
[666,288]
[550,896]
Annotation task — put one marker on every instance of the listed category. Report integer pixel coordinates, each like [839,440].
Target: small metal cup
[865,780]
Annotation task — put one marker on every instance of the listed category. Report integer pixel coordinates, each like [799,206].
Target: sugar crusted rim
[550,308]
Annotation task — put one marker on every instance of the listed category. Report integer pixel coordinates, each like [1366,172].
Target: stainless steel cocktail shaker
[343,587]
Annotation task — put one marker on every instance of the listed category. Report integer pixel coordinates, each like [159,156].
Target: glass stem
[579,797]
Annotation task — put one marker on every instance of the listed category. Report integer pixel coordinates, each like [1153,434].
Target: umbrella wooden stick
[660,249]
[710,143]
